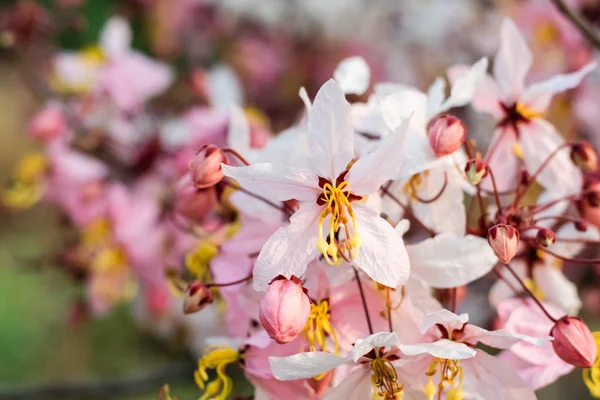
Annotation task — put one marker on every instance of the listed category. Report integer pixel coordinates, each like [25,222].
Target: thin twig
[364,300]
[584,27]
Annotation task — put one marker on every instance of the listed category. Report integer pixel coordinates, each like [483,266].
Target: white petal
[444,317]
[419,156]
[570,249]
[447,212]
[490,379]
[380,339]
[115,37]
[304,365]
[355,386]
[290,249]
[538,140]
[398,106]
[539,95]
[330,131]
[435,97]
[238,136]
[502,160]
[442,348]
[448,260]
[224,87]
[465,85]
[374,169]
[402,227]
[382,255]
[512,62]
[276,182]
[353,75]
[501,290]
[499,339]
[305,99]
[557,288]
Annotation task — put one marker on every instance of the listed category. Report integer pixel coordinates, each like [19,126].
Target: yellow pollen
[546,34]
[338,206]
[385,380]
[591,376]
[534,288]
[28,182]
[449,372]
[198,261]
[518,150]
[528,112]
[217,358]
[318,328]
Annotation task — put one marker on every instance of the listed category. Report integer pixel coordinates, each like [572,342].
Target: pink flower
[504,240]
[206,167]
[285,309]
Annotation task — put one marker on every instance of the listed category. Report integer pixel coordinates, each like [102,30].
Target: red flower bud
[196,297]
[476,170]
[545,237]
[446,134]
[285,309]
[193,204]
[573,342]
[589,205]
[584,156]
[504,240]
[206,167]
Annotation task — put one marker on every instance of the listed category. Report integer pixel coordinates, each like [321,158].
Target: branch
[584,27]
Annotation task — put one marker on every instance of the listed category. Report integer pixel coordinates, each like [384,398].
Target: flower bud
[584,156]
[446,134]
[589,205]
[573,342]
[48,124]
[196,297]
[504,240]
[193,204]
[285,309]
[545,237]
[476,170]
[581,225]
[206,167]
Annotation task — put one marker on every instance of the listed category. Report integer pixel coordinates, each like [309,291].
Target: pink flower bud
[446,134]
[504,240]
[193,204]
[285,309]
[48,124]
[584,156]
[196,297]
[589,205]
[545,237]
[573,342]
[206,167]
[476,170]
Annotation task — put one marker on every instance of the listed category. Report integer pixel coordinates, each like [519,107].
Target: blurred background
[49,347]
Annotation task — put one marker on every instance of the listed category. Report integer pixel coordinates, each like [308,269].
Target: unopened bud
[196,297]
[589,205]
[581,225]
[584,156]
[193,204]
[206,167]
[504,240]
[285,309]
[446,134]
[545,237]
[573,342]
[476,170]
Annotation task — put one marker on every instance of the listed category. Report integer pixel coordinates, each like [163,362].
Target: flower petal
[443,317]
[539,95]
[442,348]
[115,37]
[277,182]
[379,339]
[398,106]
[224,87]
[304,365]
[557,288]
[289,250]
[448,260]
[330,131]
[502,160]
[538,140]
[353,75]
[499,339]
[238,136]
[512,62]
[355,386]
[382,255]
[465,85]
[373,170]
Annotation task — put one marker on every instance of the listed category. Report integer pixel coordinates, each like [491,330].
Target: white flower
[329,192]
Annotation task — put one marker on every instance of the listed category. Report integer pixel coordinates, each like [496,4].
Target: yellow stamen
[217,358]
[518,150]
[449,370]
[528,112]
[339,208]
[385,380]
[534,288]
[591,376]
[546,34]
[198,261]
[28,186]
[318,328]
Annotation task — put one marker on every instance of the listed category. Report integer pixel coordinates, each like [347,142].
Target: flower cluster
[327,261]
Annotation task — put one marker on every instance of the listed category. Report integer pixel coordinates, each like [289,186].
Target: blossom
[329,193]
[522,135]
